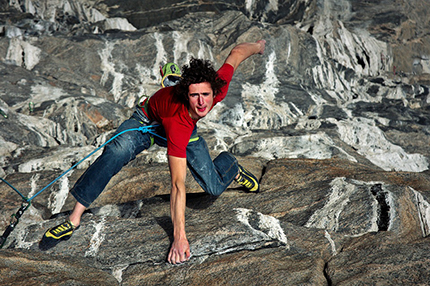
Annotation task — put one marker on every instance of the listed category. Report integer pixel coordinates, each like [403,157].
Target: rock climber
[177,109]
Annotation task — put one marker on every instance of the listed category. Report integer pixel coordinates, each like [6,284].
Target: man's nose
[201,100]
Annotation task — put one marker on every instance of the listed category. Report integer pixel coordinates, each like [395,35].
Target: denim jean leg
[213,176]
[116,154]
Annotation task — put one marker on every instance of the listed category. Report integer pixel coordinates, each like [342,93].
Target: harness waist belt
[142,111]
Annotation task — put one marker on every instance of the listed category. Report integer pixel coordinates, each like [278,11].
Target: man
[177,109]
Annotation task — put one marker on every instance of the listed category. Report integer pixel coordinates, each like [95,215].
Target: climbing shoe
[56,234]
[248,180]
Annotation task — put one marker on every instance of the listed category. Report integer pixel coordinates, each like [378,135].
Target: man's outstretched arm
[180,249]
[243,51]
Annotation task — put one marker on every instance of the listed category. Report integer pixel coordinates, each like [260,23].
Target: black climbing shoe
[248,180]
[56,234]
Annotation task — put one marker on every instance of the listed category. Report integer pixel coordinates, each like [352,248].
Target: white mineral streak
[267,225]
[356,50]
[12,32]
[348,47]
[94,15]
[288,53]
[6,147]
[423,207]
[390,200]
[317,98]
[97,238]
[33,185]
[370,141]
[326,77]
[425,62]
[45,129]
[73,119]
[248,6]
[262,110]
[22,53]
[108,210]
[180,45]
[108,68]
[204,52]
[312,146]
[397,93]
[117,272]
[328,216]
[223,133]
[161,156]
[161,57]
[20,239]
[118,24]
[331,241]
[147,88]
[60,159]
[40,93]
[271,6]
[57,199]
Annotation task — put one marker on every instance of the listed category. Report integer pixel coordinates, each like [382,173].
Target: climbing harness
[27,201]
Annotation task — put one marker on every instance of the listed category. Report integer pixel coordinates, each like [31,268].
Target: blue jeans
[213,176]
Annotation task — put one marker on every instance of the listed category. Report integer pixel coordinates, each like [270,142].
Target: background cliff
[334,118]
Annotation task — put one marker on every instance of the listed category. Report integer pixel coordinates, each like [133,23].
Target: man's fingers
[262,46]
[179,251]
[177,258]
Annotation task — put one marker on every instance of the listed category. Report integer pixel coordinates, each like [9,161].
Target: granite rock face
[333,119]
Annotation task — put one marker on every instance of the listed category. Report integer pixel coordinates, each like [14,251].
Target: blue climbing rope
[145,129]
[27,201]
[19,193]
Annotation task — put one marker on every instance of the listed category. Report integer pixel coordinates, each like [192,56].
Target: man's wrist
[179,235]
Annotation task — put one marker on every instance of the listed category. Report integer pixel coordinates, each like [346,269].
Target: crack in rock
[384,207]
[332,243]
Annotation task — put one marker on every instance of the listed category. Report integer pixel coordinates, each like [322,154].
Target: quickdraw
[13,222]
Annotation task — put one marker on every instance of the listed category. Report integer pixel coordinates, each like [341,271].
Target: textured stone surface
[333,118]
[36,268]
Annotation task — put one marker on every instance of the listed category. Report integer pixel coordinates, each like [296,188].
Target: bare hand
[263,46]
[179,251]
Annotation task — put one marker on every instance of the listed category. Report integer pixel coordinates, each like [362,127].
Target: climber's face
[200,99]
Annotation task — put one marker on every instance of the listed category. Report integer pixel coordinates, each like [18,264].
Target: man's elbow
[238,52]
[178,187]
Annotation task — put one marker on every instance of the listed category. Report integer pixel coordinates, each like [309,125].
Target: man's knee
[120,149]
[215,192]
[225,160]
